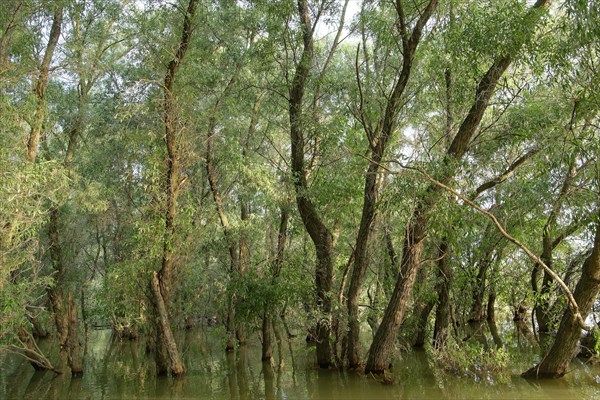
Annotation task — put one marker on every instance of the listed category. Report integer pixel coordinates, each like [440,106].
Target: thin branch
[567,292]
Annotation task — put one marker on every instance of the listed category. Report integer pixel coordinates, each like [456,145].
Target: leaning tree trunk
[371,188]
[564,349]
[167,355]
[415,233]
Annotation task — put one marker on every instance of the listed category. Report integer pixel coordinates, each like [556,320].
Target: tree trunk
[422,318]
[477,309]
[378,143]
[415,232]
[41,82]
[167,355]
[318,232]
[442,312]
[491,317]
[385,337]
[31,352]
[267,341]
[564,349]
[73,347]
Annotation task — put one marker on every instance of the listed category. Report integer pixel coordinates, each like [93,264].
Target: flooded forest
[324,199]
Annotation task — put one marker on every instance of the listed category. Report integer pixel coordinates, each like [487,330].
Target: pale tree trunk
[383,343]
[378,139]
[564,349]
[168,359]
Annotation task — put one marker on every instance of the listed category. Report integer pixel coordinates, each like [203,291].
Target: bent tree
[415,230]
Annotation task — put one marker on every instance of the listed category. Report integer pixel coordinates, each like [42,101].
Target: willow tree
[168,358]
[379,135]
[416,229]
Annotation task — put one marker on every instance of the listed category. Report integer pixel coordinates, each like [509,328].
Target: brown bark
[378,142]
[41,82]
[168,358]
[415,232]
[424,310]
[73,347]
[565,346]
[383,342]
[167,355]
[318,232]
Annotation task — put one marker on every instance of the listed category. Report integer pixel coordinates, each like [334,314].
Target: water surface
[122,370]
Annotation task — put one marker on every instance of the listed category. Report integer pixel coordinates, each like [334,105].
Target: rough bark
[383,342]
[415,233]
[565,346]
[41,82]
[73,346]
[169,359]
[167,355]
[318,232]
[378,142]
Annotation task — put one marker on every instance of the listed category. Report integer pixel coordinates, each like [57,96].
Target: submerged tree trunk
[30,350]
[73,346]
[564,349]
[378,143]
[167,357]
[415,232]
[318,232]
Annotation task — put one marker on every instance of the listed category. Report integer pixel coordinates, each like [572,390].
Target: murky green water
[116,370]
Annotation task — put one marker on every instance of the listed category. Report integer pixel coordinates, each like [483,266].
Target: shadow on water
[121,369]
